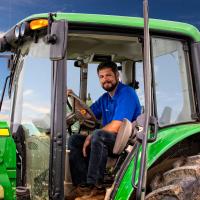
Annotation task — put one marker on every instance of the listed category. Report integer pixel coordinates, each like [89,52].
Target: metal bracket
[185,47]
[153,123]
[50,39]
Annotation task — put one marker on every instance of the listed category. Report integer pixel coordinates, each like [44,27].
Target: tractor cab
[33,77]
[58,52]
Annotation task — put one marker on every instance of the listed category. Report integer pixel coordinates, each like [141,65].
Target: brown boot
[95,194]
[77,192]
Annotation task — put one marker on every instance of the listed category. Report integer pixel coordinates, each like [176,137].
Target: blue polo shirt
[124,104]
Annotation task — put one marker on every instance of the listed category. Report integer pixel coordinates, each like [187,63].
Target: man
[88,155]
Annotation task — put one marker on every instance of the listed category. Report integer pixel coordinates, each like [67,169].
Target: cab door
[58,109]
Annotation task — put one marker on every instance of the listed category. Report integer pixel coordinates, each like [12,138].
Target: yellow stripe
[1,192]
[4,132]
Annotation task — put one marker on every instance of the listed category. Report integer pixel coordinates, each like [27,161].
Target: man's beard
[111,88]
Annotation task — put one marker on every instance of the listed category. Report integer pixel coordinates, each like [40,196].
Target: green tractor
[157,155]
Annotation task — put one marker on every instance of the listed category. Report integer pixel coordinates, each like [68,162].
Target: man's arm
[113,126]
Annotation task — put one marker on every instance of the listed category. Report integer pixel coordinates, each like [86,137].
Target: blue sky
[181,10]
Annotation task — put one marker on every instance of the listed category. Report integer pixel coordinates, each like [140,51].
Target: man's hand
[86,144]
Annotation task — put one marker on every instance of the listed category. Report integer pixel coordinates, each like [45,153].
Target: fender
[167,138]
[7,163]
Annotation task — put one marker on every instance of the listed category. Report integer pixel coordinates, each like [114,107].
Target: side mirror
[59,34]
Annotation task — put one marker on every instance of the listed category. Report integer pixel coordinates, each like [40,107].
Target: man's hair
[107,64]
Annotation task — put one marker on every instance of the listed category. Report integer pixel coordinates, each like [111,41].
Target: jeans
[90,169]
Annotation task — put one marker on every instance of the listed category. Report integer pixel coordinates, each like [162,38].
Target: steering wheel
[80,112]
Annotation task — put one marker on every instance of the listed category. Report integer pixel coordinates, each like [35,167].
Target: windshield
[32,101]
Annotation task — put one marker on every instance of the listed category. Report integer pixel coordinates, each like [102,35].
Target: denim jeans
[90,169]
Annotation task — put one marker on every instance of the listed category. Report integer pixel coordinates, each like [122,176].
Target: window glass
[5,109]
[94,87]
[140,78]
[73,83]
[173,90]
[32,104]
[73,76]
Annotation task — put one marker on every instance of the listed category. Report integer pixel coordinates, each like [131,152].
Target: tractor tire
[180,183]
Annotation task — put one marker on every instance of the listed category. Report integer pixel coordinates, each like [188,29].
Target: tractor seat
[126,131]
[123,145]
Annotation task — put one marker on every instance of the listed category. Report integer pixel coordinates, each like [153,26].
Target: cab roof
[156,25]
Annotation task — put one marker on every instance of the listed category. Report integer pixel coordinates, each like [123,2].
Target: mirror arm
[3,92]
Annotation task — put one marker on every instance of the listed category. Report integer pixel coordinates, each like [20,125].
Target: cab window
[172,85]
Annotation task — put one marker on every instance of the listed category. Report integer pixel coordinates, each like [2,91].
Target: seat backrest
[123,135]
[166,116]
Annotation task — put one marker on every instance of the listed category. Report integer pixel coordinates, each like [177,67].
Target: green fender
[7,164]
[167,138]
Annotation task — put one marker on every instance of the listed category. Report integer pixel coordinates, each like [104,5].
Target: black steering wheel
[80,112]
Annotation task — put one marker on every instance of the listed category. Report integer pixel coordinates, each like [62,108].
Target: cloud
[5,110]
[5,106]
[1,34]
[4,117]
[36,108]
[28,92]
